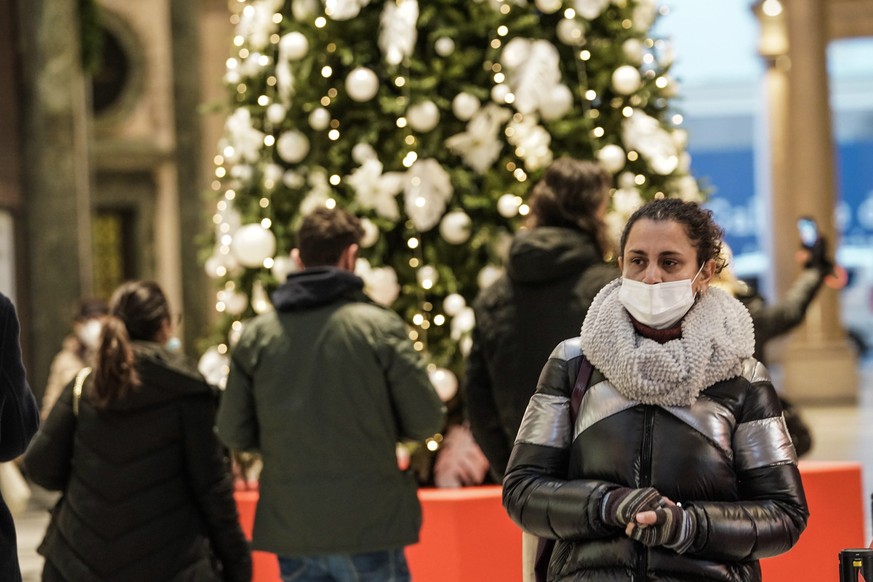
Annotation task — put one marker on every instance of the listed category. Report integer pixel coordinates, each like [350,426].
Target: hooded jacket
[324,387]
[147,491]
[552,274]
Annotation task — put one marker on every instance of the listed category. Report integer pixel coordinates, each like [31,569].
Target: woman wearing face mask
[678,465]
[77,351]
[146,491]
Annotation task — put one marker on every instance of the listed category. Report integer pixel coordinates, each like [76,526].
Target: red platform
[467,536]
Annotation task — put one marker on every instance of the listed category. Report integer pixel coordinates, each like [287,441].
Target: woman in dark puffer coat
[147,495]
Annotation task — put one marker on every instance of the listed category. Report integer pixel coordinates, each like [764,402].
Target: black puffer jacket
[552,275]
[727,458]
[147,495]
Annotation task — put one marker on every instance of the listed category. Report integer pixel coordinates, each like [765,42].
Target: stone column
[818,363]
[57,178]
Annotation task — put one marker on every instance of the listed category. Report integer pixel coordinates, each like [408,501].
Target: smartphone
[808,230]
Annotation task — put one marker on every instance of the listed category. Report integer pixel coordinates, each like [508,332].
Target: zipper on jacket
[646,477]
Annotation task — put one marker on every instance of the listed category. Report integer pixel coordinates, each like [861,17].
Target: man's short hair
[324,234]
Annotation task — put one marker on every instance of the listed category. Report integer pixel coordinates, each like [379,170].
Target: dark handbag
[545,546]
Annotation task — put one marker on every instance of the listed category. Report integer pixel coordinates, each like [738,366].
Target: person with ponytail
[146,491]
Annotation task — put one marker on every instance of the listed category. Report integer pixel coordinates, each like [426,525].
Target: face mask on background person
[173,344]
[89,333]
[660,305]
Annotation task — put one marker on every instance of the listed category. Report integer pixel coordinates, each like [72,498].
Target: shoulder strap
[77,388]
[580,387]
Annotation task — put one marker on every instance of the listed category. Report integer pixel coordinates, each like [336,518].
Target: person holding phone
[773,319]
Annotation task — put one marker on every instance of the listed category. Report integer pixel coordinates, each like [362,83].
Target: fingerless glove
[620,505]
[675,528]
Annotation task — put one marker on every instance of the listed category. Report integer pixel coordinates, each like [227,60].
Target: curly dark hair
[705,235]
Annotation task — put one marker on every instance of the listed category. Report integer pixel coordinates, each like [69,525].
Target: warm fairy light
[230,194]
[326,71]
[439,319]
[409,159]
[263,100]
[333,134]
[771,8]
[591,94]
[400,81]
[320,22]
[220,172]
[264,202]
[495,44]
[412,243]
[269,140]
[598,132]
[585,55]
[502,30]
[499,78]
[413,262]
[678,119]
[627,111]
[524,210]
[402,122]
[569,14]
[268,263]
[335,180]
[330,203]
[417,319]
[633,156]
[639,179]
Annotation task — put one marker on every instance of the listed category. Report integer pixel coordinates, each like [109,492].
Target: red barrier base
[466,535]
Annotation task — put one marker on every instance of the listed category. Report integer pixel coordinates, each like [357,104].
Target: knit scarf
[717,335]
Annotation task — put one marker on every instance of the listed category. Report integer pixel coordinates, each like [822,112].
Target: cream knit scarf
[717,335]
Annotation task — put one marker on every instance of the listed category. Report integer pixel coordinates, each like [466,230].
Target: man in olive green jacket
[323,388]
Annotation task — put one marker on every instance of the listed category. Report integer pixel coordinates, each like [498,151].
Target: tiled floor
[842,433]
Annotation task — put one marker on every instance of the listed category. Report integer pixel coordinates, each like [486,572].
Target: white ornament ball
[626,80]
[234,303]
[445,383]
[427,276]
[214,267]
[276,113]
[444,46]
[455,227]
[465,106]
[548,6]
[214,366]
[292,146]
[319,119]
[252,243]
[305,10]
[371,233]
[557,104]
[362,84]
[294,46]
[570,32]
[361,152]
[282,267]
[423,116]
[488,275]
[453,304]
[633,50]
[612,157]
[508,205]
[499,93]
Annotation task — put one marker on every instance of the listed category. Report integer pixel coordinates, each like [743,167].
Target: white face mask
[659,306]
[89,333]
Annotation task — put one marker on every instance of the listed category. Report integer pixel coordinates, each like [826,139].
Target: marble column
[818,363]
[57,177]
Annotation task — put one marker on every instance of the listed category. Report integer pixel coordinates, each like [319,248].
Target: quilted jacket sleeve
[48,458]
[772,512]
[536,492]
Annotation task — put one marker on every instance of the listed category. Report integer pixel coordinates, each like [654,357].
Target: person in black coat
[555,268]
[147,494]
[19,421]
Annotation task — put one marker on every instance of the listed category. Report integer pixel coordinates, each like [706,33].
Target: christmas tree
[430,119]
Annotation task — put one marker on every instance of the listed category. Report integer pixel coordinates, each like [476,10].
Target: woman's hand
[669,525]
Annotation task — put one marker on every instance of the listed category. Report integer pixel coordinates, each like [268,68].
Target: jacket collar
[316,286]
